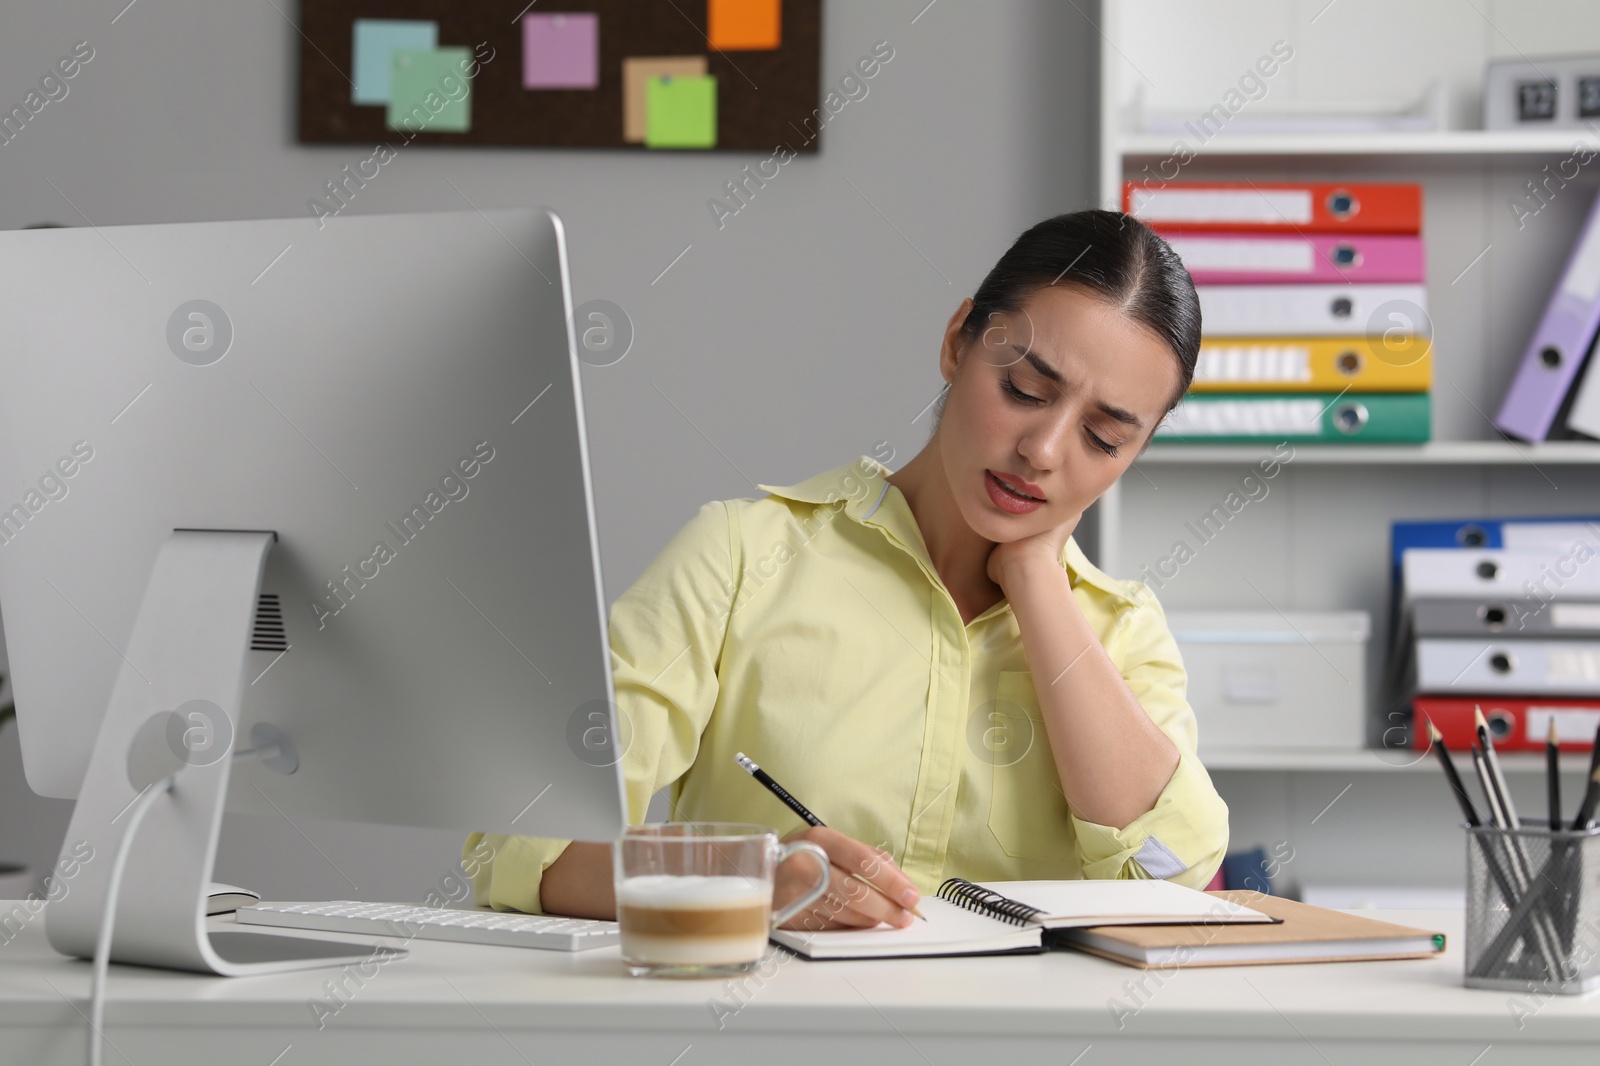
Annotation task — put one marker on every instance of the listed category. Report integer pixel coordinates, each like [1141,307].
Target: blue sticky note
[374,43]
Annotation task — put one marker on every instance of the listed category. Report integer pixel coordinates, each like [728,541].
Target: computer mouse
[225,899]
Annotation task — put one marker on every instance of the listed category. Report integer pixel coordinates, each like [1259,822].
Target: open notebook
[993,917]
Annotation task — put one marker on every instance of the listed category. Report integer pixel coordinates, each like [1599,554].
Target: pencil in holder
[1533,909]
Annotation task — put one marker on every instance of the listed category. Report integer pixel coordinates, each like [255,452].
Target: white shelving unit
[1318,538]
[1460,143]
[1434,453]
[1373,761]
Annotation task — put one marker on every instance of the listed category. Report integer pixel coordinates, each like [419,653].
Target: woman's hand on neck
[1009,561]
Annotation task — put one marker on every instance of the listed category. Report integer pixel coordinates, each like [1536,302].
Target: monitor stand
[175,709]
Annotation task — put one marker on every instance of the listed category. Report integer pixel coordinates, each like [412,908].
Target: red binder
[1276,207]
[1515,725]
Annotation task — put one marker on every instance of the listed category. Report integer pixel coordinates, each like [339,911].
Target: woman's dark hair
[1107,253]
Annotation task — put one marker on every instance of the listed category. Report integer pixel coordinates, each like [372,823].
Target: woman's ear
[954,341]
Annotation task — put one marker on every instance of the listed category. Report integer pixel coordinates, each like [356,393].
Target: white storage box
[1264,680]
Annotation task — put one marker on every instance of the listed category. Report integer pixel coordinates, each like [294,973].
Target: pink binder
[1556,353]
[1252,259]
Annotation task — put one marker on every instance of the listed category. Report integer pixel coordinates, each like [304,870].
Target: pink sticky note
[561,51]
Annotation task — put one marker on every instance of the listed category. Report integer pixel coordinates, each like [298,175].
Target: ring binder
[1350,416]
[1278,207]
[1397,363]
[1559,347]
[1248,258]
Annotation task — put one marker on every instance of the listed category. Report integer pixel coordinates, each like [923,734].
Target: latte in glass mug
[694,899]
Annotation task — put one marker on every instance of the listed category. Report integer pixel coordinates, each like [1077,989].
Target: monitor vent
[268,634]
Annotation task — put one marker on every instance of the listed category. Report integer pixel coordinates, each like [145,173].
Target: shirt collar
[863,488]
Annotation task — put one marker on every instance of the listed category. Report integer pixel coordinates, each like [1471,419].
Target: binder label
[1213,253]
[1268,417]
[1261,206]
[1575,616]
[1572,726]
[1569,666]
[1254,362]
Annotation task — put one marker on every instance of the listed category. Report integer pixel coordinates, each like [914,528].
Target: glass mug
[694,899]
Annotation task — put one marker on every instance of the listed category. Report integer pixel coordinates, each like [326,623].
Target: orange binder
[1276,207]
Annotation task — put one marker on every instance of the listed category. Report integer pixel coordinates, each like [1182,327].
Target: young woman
[924,656]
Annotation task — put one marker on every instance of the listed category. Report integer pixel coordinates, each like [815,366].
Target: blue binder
[1459,533]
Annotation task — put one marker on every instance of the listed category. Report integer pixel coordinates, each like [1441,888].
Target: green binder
[1315,418]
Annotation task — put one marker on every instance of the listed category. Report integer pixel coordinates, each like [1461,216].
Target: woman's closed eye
[1030,400]
[1104,445]
[1022,397]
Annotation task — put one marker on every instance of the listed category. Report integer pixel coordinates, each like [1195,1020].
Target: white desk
[457,1003]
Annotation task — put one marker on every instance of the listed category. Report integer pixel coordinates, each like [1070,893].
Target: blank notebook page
[1124,902]
[948,930]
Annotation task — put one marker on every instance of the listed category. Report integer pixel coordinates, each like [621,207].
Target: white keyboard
[436,923]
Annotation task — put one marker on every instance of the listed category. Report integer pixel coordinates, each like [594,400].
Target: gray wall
[787,342]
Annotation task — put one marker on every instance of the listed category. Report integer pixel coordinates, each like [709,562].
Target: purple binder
[1556,353]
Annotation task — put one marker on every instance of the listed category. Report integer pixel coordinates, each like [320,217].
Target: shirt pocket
[1028,815]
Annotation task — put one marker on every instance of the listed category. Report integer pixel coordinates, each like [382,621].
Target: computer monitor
[316,488]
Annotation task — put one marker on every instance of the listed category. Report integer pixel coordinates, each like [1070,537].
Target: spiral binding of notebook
[964,893]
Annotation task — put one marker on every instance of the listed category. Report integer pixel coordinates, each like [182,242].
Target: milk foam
[693,891]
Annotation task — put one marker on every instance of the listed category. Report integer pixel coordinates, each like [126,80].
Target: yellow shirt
[845,671]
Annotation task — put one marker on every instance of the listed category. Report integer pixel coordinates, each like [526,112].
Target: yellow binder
[1319,364]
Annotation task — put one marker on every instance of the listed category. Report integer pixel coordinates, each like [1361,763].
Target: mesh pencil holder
[1533,909]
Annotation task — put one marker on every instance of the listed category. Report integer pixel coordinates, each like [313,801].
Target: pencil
[1552,769]
[1491,801]
[1468,811]
[1594,765]
[748,766]
[1492,761]
[1591,796]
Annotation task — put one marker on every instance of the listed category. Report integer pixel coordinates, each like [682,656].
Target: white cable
[102,944]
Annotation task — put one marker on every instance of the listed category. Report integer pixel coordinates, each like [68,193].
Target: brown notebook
[1305,934]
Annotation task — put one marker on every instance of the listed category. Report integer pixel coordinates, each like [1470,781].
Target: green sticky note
[681,112]
[429,91]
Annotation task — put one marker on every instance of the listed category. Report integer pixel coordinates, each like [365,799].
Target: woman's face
[1089,385]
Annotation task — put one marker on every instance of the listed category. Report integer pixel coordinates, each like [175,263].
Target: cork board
[763,98]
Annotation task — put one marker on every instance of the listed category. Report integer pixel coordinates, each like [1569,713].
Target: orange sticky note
[744,25]
[636,74]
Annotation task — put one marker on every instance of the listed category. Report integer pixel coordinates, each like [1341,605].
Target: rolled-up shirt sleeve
[666,633]
[1184,835]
